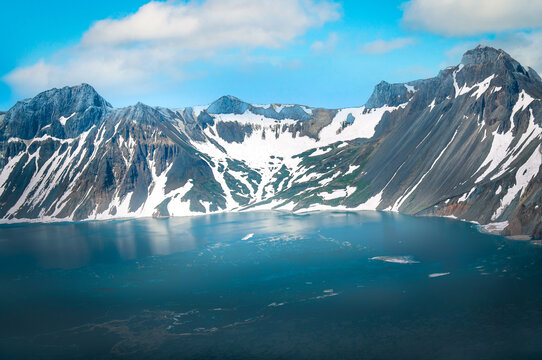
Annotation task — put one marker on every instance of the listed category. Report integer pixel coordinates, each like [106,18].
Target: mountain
[464,144]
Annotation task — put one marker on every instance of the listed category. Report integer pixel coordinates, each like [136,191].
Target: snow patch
[410,88]
[396,259]
[64,119]
[495,227]
[321,151]
[524,175]
[335,194]
[351,169]
[432,105]
[434,275]
[372,203]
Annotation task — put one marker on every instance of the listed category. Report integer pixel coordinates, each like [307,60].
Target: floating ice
[434,275]
[396,259]
[248,236]
[275,304]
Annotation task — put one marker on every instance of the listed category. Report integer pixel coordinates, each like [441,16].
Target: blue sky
[314,52]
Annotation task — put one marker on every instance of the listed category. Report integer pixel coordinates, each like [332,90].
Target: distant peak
[388,94]
[231,97]
[228,98]
[228,104]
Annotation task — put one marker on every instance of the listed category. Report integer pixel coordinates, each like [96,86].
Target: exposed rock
[465,143]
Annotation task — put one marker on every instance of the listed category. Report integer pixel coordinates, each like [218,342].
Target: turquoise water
[316,286]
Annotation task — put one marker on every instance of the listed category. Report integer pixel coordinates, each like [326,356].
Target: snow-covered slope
[465,144]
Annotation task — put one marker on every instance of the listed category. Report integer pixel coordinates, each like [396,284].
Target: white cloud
[214,24]
[151,46]
[383,46]
[325,46]
[472,17]
[514,25]
[525,47]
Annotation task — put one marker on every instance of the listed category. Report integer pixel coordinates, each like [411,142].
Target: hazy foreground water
[269,285]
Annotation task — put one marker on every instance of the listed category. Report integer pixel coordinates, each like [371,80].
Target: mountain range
[464,144]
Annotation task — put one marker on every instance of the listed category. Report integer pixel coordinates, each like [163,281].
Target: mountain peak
[79,96]
[478,63]
[27,117]
[485,60]
[484,54]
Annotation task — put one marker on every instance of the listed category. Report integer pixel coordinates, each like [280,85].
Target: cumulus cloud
[215,23]
[468,17]
[383,46]
[526,47]
[152,45]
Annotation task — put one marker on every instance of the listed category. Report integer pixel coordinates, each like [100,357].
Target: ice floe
[396,259]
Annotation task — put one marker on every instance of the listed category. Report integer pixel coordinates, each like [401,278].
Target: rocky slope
[466,143]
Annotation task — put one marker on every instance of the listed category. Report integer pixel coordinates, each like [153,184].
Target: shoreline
[491,228]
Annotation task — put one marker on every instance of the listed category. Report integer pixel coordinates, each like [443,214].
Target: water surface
[268,285]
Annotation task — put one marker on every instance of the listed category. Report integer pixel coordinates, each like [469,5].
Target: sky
[321,53]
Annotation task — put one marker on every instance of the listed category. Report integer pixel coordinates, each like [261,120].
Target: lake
[268,285]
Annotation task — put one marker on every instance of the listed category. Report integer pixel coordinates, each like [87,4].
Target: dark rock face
[233,131]
[466,143]
[28,117]
[388,94]
[483,55]
[294,112]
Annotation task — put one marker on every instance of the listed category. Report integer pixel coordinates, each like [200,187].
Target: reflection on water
[79,244]
[72,245]
[268,285]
